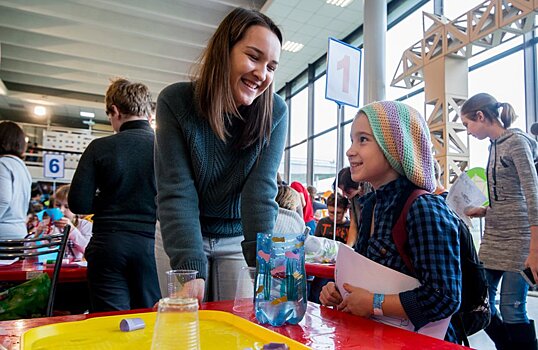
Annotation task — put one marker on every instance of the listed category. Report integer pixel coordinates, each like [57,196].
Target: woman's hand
[358,302]
[195,289]
[532,259]
[191,289]
[330,296]
[532,262]
[475,212]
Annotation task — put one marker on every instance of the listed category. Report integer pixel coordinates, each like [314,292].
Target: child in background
[325,226]
[380,133]
[308,210]
[81,230]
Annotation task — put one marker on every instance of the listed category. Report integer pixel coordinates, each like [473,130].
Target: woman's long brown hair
[213,92]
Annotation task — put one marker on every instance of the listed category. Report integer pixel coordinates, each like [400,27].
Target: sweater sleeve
[83,186]
[258,207]
[6,188]
[177,197]
[524,163]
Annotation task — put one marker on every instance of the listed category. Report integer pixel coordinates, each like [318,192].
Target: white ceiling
[62,53]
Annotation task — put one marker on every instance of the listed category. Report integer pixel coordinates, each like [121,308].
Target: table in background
[320,270]
[21,271]
[321,328]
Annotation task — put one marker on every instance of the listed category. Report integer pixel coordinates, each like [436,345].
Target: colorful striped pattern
[404,138]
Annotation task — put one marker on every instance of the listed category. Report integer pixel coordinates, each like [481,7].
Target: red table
[27,269]
[320,270]
[321,328]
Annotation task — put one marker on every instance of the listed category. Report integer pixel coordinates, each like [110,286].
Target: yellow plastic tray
[218,330]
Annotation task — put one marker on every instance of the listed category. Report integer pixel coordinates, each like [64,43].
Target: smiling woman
[220,139]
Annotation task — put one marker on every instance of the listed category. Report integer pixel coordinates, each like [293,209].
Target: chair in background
[34,247]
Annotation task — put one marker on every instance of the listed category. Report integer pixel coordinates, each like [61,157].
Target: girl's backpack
[474,313]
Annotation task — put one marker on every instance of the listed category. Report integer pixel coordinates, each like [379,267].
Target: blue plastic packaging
[280,291]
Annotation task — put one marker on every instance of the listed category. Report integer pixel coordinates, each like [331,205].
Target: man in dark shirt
[115,181]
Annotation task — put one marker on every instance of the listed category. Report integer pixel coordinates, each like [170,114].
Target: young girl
[391,150]
[510,241]
[81,230]
[219,141]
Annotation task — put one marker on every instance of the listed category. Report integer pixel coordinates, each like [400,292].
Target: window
[298,132]
[298,163]
[325,160]
[299,117]
[400,38]
[325,111]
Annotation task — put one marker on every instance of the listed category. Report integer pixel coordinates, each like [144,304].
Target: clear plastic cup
[178,283]
[177,325]
[244,292]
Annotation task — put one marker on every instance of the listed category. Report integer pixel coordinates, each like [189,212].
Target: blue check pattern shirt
[433,248]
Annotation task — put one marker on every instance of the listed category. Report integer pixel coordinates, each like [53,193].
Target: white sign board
[343,73]
[53,165]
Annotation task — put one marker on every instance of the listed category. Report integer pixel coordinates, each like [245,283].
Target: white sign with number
[343,73]
[53,165]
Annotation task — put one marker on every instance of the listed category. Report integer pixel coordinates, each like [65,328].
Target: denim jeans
[513,305]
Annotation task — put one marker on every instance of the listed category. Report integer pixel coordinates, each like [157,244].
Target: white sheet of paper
[359,271]
[6,262]
[463,194]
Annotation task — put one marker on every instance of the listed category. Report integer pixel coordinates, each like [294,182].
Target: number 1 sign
[343,73]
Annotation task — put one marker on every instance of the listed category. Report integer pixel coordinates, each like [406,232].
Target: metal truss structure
[440,60]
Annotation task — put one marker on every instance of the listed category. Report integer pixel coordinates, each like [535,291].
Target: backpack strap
[399,233]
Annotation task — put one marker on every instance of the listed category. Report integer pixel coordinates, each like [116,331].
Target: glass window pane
[325,111]
[299,117]
[324,161]
[400,38]
[298,163]
[455,8]
[417,102]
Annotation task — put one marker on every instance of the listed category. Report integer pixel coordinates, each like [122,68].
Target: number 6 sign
[53,165]
[343,73]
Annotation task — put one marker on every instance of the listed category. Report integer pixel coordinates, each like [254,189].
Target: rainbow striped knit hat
[404,137]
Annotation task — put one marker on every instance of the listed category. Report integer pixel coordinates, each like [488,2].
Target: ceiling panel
[63,53]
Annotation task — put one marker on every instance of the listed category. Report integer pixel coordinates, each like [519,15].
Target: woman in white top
[15,182]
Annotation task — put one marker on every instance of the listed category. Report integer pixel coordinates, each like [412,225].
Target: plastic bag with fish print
[280,291]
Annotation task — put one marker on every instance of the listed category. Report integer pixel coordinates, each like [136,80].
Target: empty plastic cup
[178,283]
[244,292]
[177,325]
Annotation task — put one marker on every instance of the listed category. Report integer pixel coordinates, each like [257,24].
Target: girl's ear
[480,116]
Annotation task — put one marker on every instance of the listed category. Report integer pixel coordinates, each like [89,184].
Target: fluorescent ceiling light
[87,114]
[40,111]
[341,3]
[292,46]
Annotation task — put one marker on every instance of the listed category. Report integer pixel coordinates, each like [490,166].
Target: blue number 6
[53,165]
